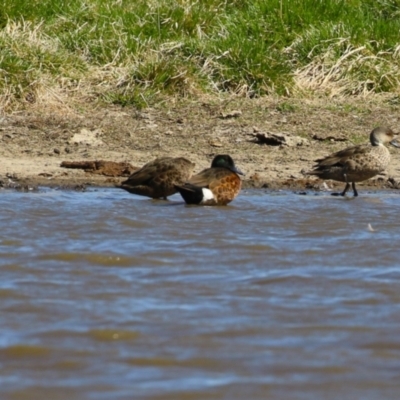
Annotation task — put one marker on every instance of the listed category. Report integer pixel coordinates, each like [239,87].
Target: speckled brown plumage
[157,179]
[357,163]
[223,181]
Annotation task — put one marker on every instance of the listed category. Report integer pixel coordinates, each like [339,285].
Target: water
[107,295]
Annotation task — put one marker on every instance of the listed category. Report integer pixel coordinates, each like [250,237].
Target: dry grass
[64,56]
[357,72]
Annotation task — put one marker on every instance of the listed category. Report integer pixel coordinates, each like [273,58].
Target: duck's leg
[353,185]
[347,187]
[344,191]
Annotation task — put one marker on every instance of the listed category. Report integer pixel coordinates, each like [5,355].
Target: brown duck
[157,179]
[217,185]
[357,163]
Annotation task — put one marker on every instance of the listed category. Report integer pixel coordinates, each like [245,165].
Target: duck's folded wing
[150,170]
[206,177]
[141,176]
[342,156]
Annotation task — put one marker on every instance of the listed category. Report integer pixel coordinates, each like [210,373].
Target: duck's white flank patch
[207,195]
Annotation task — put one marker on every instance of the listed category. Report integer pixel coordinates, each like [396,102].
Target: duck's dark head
[225,161]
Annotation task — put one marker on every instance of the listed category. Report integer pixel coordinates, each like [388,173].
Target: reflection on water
[106,295]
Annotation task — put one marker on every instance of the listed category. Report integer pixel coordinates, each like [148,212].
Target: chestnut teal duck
[217,185]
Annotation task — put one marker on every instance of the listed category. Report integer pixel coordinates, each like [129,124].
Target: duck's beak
[237,170]
[395,143]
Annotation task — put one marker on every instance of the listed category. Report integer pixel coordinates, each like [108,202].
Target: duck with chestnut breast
[357,163]
[217,185]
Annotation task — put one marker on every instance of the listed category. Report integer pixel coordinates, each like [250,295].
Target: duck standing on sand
[357,163]
[157,179]
[217,185]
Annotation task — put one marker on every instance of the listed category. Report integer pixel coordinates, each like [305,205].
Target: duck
[217,185]
[357,163]
[157,178]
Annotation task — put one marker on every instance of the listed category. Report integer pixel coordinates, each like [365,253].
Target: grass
[127,52]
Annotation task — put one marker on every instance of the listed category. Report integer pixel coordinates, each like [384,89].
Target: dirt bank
[34,142]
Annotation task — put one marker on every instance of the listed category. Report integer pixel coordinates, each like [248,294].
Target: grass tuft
[134,52]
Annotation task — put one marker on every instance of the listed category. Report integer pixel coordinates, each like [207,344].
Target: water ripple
[109,295]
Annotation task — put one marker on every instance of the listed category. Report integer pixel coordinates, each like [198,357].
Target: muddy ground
[35,142]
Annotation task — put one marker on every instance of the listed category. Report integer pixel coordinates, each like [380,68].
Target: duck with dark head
[217,185]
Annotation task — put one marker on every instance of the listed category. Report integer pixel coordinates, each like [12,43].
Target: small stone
[278,139]
[332,137]
[57,151]
[215,143]
[232,114]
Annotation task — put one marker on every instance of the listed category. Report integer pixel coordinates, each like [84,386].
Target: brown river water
[107,295]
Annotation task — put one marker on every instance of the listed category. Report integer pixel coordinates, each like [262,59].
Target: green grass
[130,52]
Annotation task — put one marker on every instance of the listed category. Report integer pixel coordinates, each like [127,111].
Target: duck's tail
[194,194]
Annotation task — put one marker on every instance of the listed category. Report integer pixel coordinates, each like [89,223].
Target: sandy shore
[34,143]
